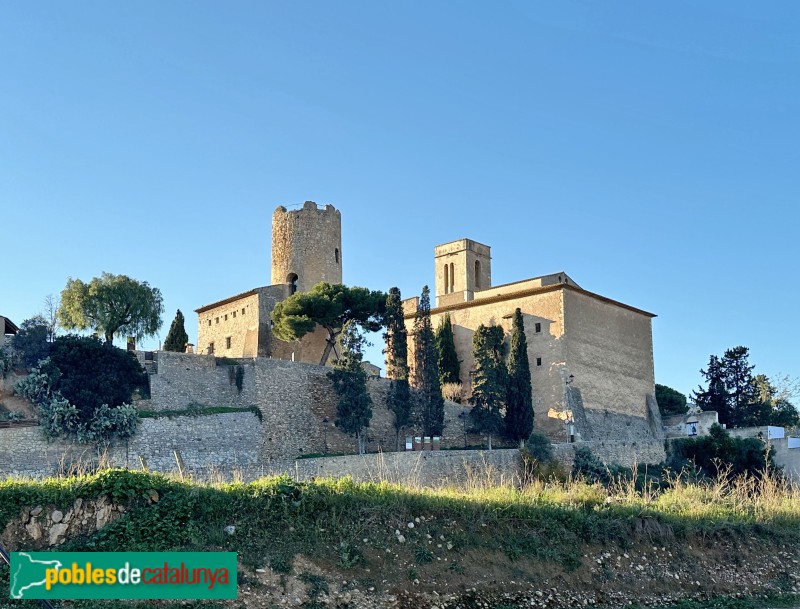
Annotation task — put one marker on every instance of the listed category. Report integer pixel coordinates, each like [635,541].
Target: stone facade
[591,357]
[306,246]
[7,330]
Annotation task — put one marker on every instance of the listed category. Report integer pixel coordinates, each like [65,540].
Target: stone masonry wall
[626,454]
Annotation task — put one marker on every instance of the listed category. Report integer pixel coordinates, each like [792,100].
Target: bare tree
[50,314]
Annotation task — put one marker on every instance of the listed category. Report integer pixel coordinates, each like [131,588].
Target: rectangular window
[226,317]
[538,361]
[538,327]
[211,348]
[228,342]
[234,313]
[209,321]
[216,320]
[242,311]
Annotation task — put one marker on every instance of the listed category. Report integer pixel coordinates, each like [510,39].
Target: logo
[123,575]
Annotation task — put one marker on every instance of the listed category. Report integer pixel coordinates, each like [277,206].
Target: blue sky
[650,150]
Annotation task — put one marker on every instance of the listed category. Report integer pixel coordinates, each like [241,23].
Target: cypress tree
[354,409]
[491,380]
[399,397]
[426,369]
[519,401]
[177,337]
[449,369]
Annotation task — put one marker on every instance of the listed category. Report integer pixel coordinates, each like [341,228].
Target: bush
[453,392]
[539,447]
[91,374]
[30,342]
[720,453]
[589,467]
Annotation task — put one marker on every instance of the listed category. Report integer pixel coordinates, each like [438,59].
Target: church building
[591,357]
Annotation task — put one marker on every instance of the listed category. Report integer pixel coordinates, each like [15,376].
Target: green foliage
[589,467]
[740,398]
[489,388]
[330,306]
[83,390]
[89,374]
[199,410]
[177,337]
[111,304]
[31,342]
[719,453]
[399,397]
[426,369]
[396,337]
[8,359]
[354,408]
[539,447]
[670,401]
[519,398]
[449,368]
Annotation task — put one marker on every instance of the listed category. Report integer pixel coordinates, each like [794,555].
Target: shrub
[539,447]
[589,467]
[453,392]
[30,342]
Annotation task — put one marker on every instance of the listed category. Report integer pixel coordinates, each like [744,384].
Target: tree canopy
[670,401]
[399,397]
[519,397]
[330,306]
[177,337]
[31,342]
[426,369]
[490,386]
[111,304]
[741,398]
[354,408]
[449,368]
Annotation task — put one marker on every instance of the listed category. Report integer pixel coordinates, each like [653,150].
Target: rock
[102,516]
[401,539]
[153,494]
[57,516]
[230,529]
[410,525]
[77,505]
[36,511]
[34,530]
[57,531]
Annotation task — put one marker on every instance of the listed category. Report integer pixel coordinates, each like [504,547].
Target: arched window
[291,279]
[336,255]
[452,278]
[477,274]
[446,279]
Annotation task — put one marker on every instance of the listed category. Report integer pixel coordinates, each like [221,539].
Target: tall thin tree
[519,399]
[426,369]
[491,380]
[396,336]
[177,337]
[449,368]
[354,408]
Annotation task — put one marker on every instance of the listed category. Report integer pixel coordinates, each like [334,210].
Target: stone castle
[591,357]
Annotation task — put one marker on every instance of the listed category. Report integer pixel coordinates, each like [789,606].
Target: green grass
[277,518]
[198,410]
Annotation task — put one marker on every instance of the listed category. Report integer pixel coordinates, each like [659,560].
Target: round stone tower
[306,246]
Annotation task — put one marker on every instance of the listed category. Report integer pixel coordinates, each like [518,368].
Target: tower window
[234,313]
[446,279]
[216,320]
[452,278]
[336,255]
[242,310]
[538,327]
[227,342]
[209,321]
[211,348]
[226,317]
[291,279]
[538,361]
[477,274]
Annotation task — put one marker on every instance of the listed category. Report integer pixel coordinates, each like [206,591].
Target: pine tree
[519,399]
[354,409]
[426,369]
[399,397]
[449,369]
[715,397]
[177,337]
[491,381]
[738,376]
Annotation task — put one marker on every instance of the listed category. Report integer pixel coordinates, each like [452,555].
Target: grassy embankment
[353,528]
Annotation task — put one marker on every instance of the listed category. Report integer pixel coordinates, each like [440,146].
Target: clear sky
[649,149]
